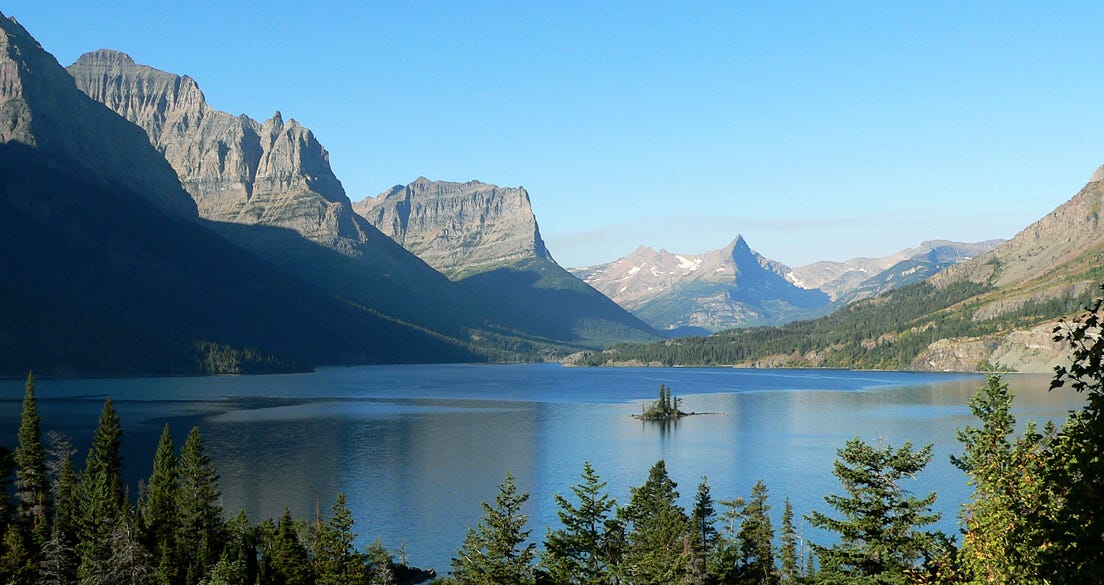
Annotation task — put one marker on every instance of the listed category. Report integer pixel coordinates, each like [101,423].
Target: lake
[416,449]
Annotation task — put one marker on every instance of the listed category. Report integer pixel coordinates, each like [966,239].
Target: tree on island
[666,407]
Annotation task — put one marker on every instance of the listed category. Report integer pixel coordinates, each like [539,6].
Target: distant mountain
[995,310]
[720,289]
[486,239]
[108,269]
[860,278]
[275,173]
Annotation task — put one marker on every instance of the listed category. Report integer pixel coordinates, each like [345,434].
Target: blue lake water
[416,449]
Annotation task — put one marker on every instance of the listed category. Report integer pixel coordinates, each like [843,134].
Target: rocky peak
[40,107]
[235,168]
[458,228]
[1098,175]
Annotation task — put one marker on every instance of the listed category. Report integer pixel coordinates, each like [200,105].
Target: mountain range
[737,287]
[993,311]
[148,233]
[182,239]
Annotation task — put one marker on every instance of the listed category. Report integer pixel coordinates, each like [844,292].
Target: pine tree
[337,562]
[159,508]
[791,572]
[724,564]
[495,551]
[130,563]
[1002,539]
[31,484]
[756,538]
[879,531]
[657,544]
[59,560]
[287,562]
[100,497]
[200,531]
[7,465]
[585,548]
[703,533]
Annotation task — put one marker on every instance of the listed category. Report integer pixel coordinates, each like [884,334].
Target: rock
[460,229]
[237,169]
[41,107]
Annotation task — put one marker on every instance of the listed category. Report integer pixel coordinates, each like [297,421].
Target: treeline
[1036,516]
[64,527]
[887,332]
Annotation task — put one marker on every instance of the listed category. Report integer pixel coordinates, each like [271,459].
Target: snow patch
[688,263]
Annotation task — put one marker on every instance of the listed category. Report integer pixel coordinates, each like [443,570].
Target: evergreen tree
[337,562]
[100,497]
[7,465]
[241,545]
[1002,540]
[198,512]
[879,531]
[585,548]
[287,561]
[18,565]
[703,533]
[31,484]
[791,572]
[495,551]
[59,560]
[657,544]
[130,562]
[756,539]
[159,508]
[724,564]
[226,571]
[1075,553]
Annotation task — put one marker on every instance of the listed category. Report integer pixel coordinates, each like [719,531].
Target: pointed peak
[1098,175]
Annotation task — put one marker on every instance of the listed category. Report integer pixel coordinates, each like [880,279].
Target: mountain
[720,289]
[458,228]
[274,173]
[996,310]
[487,240]
[860,278]
[109,270]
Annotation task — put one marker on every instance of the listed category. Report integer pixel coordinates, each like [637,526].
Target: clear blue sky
[819,130]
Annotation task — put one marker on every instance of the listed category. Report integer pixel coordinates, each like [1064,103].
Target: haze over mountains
[737,287]
[996,310]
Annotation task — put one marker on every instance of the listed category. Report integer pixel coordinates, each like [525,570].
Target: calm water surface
[416,449]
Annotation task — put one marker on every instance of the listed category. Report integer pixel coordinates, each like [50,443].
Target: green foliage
[1076,461]
[790,570]
[1002,535]
[755,539]
[665,407]
[879,527]
[337,561]
[495,551]
[286,561]
[589,543]
[100,497]
[657,541]
[158,507]
[31,485]
[200,532]
[703,533]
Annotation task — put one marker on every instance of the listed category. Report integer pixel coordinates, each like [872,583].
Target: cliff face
[460,229]
[235,168]
[40,107]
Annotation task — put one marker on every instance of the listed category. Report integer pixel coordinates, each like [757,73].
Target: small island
[666,408]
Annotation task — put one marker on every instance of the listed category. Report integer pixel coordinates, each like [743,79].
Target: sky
[817,130]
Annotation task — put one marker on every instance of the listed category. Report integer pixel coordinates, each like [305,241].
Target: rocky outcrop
[460,229]
[1030,350]
[720,289]
[41,107]
[237,169]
